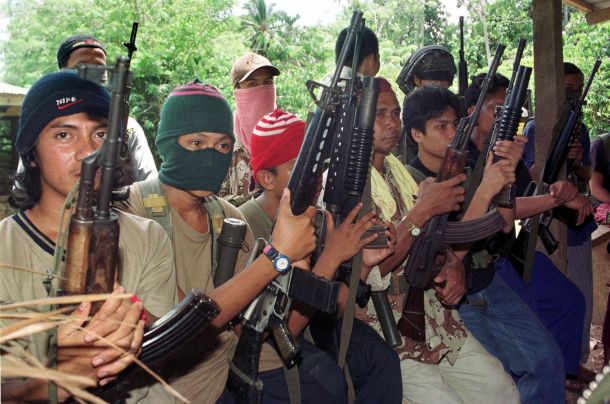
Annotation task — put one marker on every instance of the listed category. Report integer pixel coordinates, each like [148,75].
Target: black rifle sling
[350,307]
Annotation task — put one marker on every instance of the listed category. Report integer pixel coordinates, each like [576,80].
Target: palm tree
[260,19]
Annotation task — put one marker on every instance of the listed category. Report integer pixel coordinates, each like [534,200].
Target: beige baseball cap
[245,65]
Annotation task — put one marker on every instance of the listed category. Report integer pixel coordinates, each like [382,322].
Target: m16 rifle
[565,133]
[335,110]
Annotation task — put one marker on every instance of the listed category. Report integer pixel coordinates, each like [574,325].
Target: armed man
[65,118]
[443,348]
[276,141]
[580,260]
[548,288]
[252,77]
[195,140]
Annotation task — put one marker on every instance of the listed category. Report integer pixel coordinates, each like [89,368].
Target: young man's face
[387,123]
[90,56]
[274,181]
[260,77]
[62,144]
[573,84]
[488,110]
[439,132]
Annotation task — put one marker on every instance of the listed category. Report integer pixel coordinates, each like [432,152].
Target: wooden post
[548,76]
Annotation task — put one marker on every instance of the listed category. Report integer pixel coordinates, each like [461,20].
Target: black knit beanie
[73,43]
[57,94]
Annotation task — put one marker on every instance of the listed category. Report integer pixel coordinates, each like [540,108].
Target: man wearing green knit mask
[195,140]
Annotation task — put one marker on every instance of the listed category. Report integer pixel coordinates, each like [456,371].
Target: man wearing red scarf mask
[254,91]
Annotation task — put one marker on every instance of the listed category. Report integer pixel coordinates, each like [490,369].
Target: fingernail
[97,361]
[90,337]
[103,382]
[134,298]
[102,374]
[143,316]
[83,306]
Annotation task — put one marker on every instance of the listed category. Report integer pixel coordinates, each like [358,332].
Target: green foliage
[180,40]
[582,45]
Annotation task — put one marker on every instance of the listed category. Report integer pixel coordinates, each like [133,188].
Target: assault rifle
[93,240]
[463,66]
[565,133]
[423,263]
[269,311]
[507,121]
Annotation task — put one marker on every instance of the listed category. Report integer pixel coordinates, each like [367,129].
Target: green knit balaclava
[193,108]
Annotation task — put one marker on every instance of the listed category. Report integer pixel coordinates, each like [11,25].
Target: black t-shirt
[478,278]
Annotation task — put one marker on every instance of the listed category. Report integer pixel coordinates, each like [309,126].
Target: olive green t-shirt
[203,378]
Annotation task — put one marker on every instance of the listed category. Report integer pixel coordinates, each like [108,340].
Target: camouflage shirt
[238,178]
[445,332]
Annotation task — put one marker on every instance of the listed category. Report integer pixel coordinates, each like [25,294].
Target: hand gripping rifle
[422,265]
[565,133]
[463,66]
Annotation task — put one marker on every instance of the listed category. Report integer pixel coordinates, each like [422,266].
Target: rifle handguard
[177,328]
[313,290]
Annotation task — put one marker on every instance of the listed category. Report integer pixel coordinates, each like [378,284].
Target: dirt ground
[595,362]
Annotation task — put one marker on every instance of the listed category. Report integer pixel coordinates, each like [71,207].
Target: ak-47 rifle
[565,133]
[507,121]
[463,66]
[269,311]
[93,239]
[423,263]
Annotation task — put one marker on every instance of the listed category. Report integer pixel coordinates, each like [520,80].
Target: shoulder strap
[216,216]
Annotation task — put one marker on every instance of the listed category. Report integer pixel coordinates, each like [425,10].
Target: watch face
[415,231]
[282,263]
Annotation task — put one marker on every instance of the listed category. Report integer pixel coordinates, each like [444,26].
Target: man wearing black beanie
[86,49]
[80,48]
[64,118]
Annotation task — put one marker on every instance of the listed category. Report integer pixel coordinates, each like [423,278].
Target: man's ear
[265,179]
[416,135]
[470,110]
[417,81]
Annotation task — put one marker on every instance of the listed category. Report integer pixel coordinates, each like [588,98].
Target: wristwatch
[281,263]
[411,227]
